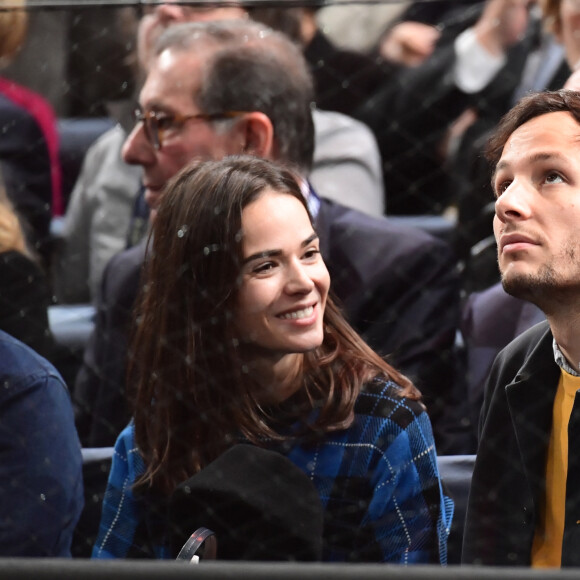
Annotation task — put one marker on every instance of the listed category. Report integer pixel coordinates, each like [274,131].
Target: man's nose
[137,150]
[514,202]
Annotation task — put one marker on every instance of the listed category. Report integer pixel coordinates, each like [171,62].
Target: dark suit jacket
[399,288]
[25,298]
[491,320]
[101,410]
[508,482]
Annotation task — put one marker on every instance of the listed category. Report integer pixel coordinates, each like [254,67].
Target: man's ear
[257,133]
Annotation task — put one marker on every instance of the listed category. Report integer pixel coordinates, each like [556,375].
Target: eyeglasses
[157,123]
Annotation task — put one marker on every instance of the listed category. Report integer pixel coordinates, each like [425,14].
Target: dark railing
[155,570]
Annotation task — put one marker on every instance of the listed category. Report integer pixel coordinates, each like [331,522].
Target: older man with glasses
[105,213]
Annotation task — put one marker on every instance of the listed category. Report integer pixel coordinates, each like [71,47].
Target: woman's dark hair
[193,395]
[527,108]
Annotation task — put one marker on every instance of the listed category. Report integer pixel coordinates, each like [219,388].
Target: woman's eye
[266,267]
[309,254]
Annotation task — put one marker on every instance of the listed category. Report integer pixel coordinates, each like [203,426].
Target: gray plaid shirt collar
[561,360]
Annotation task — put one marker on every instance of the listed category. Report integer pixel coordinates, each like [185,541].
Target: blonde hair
[11,233]
[13,27]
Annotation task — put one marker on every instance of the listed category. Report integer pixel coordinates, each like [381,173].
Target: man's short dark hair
[529,107]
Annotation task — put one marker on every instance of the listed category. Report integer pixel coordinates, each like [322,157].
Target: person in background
[24,290]
[357,25]
[412,36]
[343,79]
[562,19]
[41,480]
[347,165]
[469,78]
[522,508]
[238,340]
[40,456]
[28,142]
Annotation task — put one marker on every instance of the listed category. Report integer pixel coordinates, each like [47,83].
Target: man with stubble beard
[525,494]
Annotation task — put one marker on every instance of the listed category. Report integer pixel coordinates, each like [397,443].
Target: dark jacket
[490,321]
[399,288]
[508,484]
[24,301]
[101,410]
[41,485]
[343,79]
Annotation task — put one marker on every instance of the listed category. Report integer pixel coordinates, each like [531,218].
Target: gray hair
[250,67]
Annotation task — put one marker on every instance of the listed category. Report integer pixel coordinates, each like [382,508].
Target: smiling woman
[239,341]
[284,286]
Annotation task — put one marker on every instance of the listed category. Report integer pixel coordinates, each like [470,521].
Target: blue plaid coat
[378,482]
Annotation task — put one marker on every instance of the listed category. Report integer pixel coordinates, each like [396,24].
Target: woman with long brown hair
[237,340]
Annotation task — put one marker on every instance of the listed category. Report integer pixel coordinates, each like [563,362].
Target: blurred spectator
[41,487]
[343,79]
[97,220]
[562,18]
[409,43]
[476,65]
[40,477]
[24,292]
[412,37]
[541,66]
[28,142]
